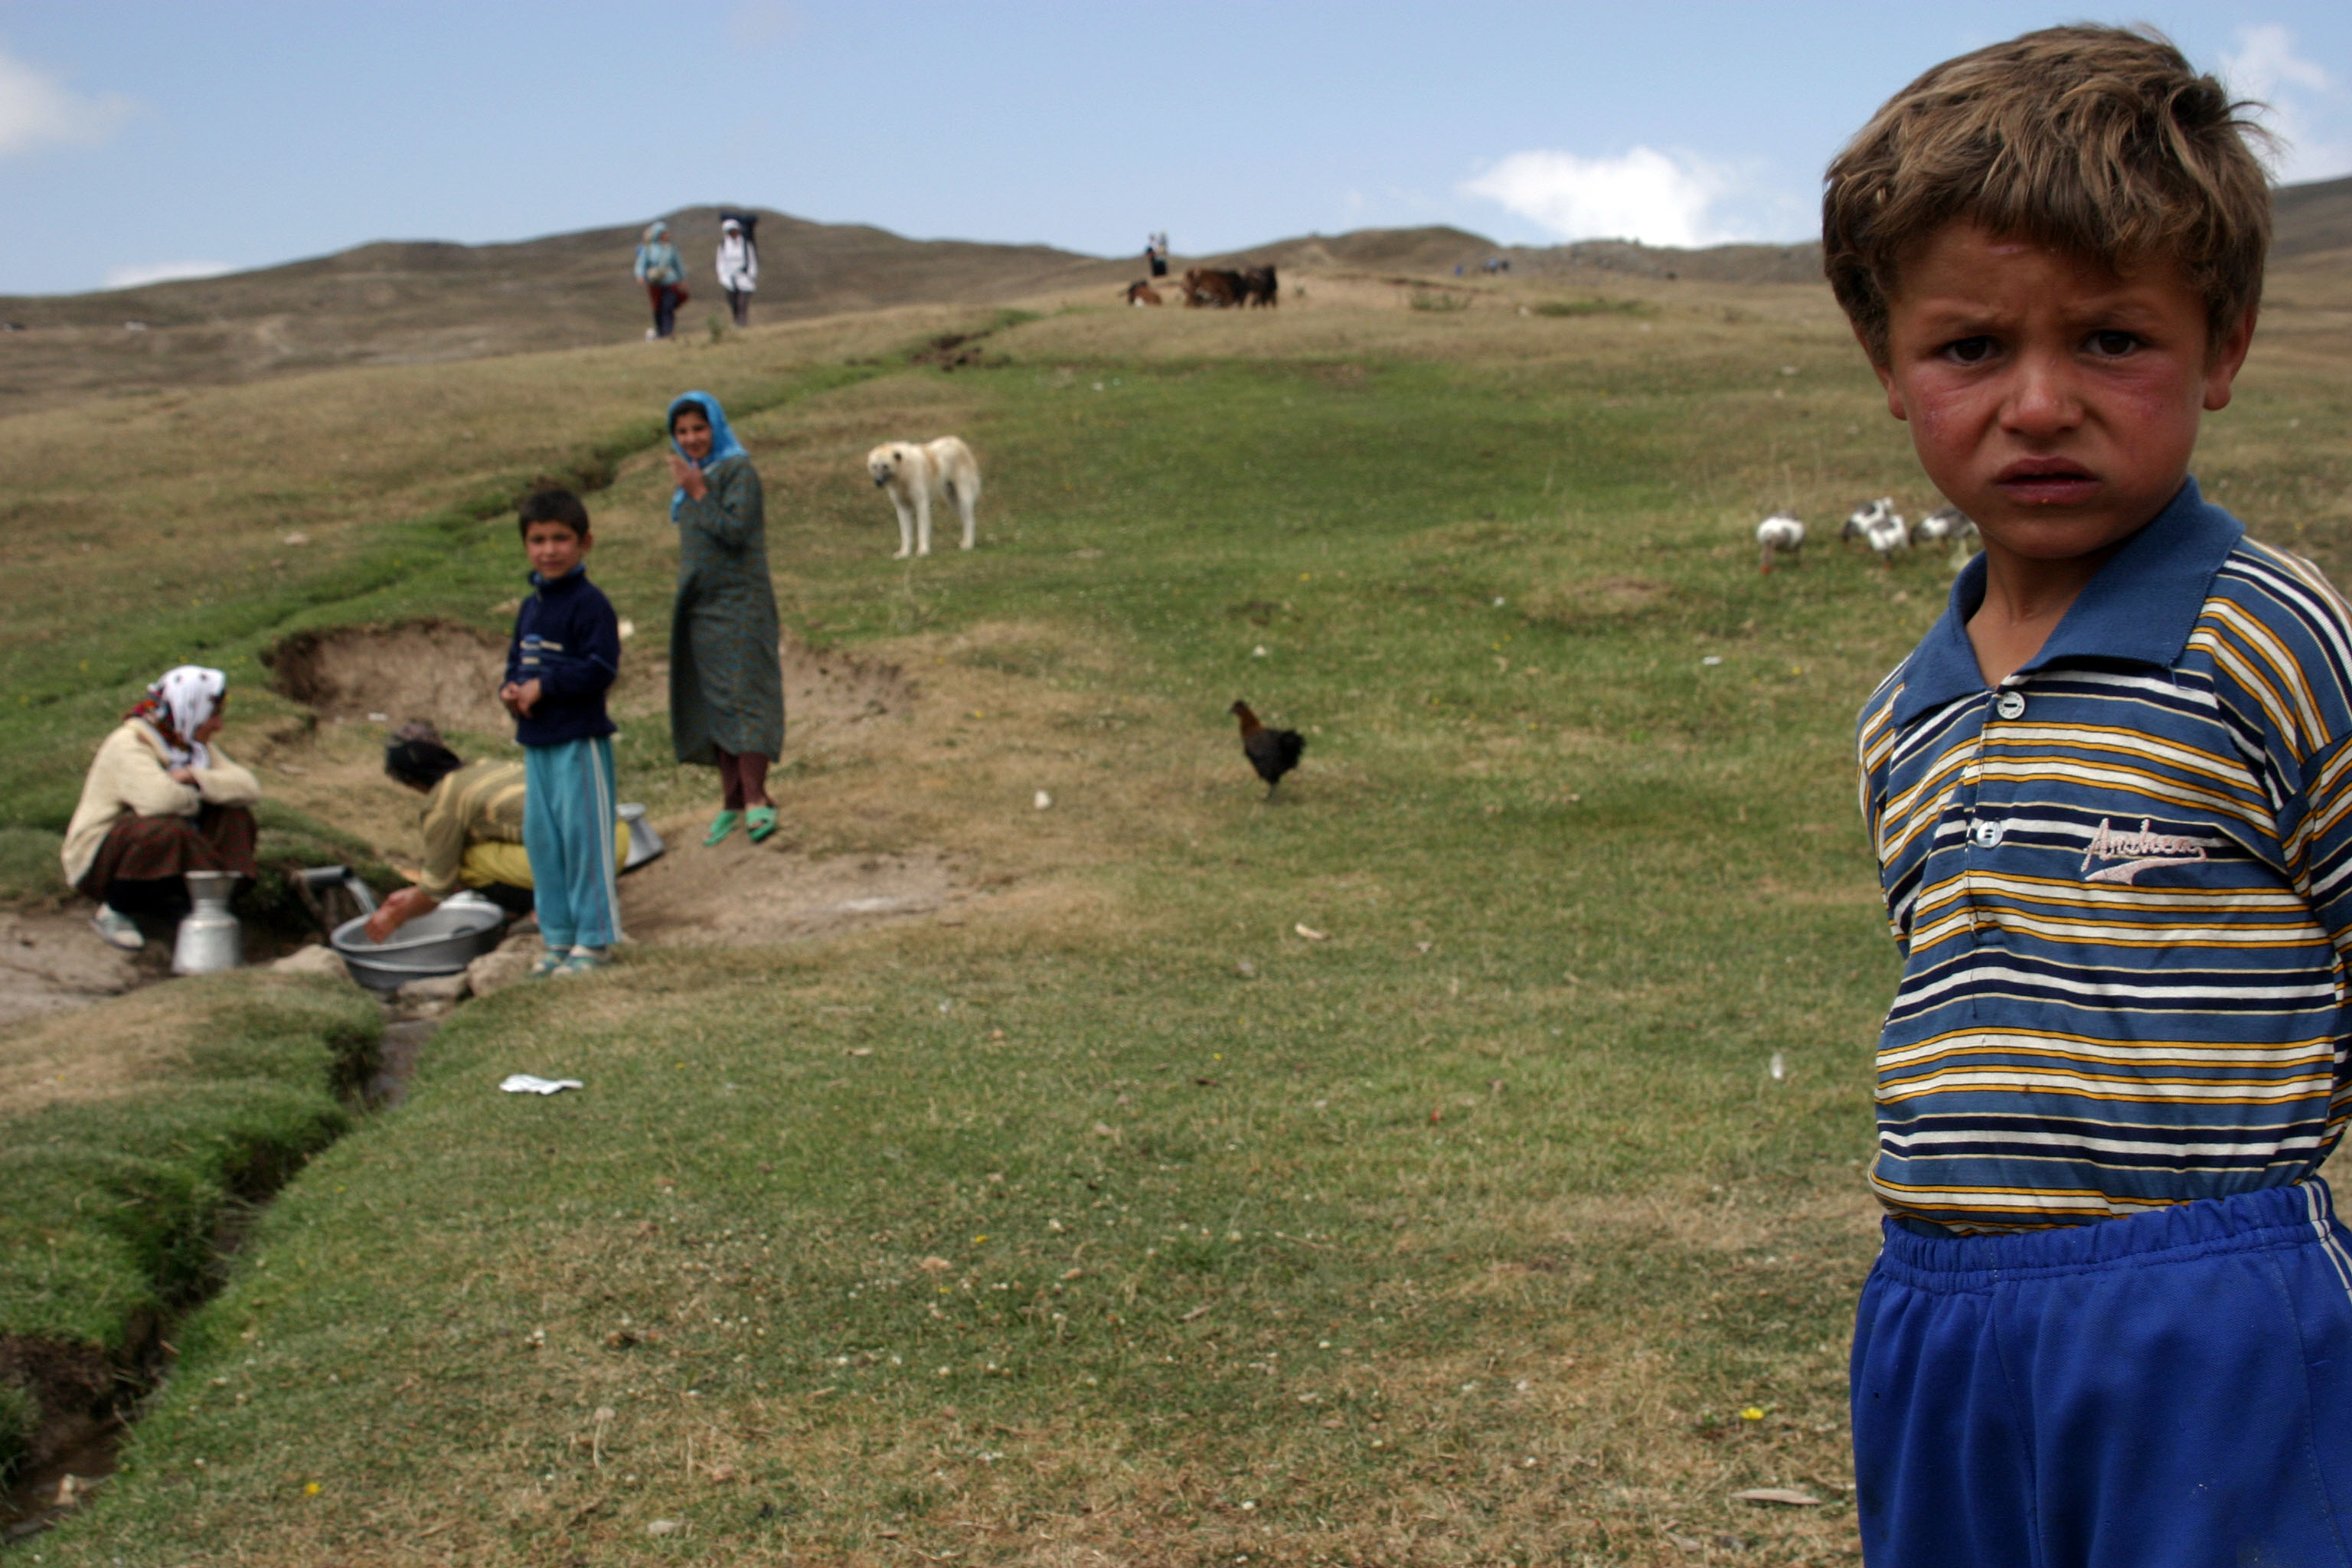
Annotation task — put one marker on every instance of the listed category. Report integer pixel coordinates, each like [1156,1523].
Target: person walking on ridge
[739,269]
[663,272]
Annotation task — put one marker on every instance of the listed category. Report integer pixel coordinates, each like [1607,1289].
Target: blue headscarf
[657,260]
[723,444]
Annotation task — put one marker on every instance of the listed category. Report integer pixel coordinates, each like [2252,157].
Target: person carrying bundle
[739,265]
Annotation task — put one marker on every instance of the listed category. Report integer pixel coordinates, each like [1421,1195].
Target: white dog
[913,475]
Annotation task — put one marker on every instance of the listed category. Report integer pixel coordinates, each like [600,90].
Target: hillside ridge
[424,301]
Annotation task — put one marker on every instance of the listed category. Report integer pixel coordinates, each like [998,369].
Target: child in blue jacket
[565,656]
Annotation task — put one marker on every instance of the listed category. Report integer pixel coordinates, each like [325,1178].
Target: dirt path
[741,894]
[52,961]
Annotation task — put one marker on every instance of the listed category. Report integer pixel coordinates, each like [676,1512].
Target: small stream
[41,1497]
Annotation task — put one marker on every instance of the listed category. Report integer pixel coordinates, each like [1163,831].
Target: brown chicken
[1273,752]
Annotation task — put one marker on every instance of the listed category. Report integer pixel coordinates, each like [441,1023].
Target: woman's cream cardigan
[132,774]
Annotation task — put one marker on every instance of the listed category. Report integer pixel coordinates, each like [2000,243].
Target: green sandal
[722,825]
[762,819]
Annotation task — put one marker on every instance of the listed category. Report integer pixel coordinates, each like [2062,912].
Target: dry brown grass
[914,770]
[180,494]
[119,1047]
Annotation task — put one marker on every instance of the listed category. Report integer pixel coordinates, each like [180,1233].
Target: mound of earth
[449,674]
[435,670]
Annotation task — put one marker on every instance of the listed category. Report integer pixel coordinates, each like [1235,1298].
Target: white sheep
[1880,526]
[1778,535]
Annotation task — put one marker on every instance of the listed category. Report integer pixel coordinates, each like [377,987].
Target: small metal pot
[644,844]
[209,939]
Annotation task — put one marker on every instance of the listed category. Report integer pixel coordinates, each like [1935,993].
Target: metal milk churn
[209,939]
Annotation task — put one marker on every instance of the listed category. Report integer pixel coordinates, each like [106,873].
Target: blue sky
[141,138]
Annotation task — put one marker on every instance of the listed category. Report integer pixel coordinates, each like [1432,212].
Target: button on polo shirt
[1986,835]
[2009,705]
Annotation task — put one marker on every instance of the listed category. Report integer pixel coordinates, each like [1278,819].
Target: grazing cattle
[1258,285]
[1141,292]
[1879,526]
[1778,535]
[1218,289]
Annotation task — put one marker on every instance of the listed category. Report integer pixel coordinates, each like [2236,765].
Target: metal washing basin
[443,942]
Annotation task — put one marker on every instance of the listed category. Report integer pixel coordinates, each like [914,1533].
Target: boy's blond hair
[2100,142]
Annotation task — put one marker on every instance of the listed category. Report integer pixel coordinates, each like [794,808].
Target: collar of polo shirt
[2139,609]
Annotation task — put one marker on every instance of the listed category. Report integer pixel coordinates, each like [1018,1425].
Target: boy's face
[2054,401]
[554,550]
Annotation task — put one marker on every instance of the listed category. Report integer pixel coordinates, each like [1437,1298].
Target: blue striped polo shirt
[2122,885]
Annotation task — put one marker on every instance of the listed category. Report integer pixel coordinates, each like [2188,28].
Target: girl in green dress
[726,682]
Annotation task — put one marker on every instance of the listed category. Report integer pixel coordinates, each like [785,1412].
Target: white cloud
[36,108]
[2307,107]
[2266,58]
[1658,198]
[164,272]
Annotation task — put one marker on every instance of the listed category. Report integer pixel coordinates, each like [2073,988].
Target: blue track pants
[567,830]
[2170,1388]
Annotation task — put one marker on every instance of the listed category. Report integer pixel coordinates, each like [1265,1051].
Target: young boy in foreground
[566,653]
[2111,799]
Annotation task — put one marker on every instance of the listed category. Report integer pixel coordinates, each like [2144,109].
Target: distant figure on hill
[1155,252]
[739,267]
[159,801]
[726,682]
[663,272]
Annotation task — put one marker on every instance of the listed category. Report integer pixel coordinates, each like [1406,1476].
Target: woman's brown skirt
[156,849]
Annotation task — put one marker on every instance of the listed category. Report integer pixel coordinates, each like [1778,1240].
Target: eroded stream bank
[87,1394]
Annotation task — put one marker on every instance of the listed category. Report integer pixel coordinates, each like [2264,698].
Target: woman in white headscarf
[160,801]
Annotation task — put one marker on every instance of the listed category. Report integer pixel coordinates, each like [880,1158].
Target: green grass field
[1116,1219]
